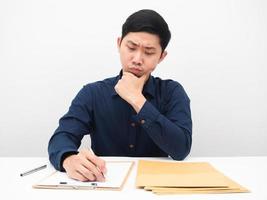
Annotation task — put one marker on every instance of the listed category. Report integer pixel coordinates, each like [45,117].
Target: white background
[218,52]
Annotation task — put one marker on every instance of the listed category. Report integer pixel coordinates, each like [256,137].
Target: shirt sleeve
[171,130]
[76,123]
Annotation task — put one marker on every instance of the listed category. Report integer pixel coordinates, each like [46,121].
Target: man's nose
[138,58]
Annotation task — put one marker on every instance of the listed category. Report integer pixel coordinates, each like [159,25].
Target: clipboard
[117,174]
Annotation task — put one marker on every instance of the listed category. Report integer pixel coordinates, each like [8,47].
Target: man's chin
[135,74]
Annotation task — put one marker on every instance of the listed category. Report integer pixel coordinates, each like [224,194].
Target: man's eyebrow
[132,43]
[152,48]
[135,44]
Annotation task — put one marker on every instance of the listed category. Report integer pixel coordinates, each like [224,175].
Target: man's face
[140,52]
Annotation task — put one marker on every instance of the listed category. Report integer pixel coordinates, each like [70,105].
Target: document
[163,177]
[116,176]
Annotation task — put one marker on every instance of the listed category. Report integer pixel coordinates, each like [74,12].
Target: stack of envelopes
[162,177]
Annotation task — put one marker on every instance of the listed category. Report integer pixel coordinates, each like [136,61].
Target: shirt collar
[149,87]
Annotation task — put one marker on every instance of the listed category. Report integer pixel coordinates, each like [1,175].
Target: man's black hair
[148,21]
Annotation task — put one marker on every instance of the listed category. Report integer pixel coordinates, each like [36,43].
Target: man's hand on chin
[130,88]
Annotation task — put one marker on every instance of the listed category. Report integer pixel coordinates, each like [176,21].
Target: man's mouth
[137,72]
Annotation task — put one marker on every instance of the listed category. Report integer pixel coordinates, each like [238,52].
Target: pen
[33,170]
[101,173]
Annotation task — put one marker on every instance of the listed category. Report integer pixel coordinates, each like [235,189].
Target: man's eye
[131,48]
[149,53]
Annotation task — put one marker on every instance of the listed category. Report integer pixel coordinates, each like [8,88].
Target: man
[133,114]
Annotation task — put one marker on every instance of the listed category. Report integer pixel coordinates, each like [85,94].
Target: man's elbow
[181,154]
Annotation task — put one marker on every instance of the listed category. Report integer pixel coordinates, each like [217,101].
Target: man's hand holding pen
[85,166]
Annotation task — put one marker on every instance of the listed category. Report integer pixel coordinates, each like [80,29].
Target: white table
[251,172]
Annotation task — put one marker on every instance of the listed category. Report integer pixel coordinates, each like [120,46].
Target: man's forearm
[172,137]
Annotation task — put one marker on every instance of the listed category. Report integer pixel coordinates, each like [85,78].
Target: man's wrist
[138,103]
[64,157]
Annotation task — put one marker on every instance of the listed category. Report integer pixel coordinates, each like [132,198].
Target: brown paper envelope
[149,188]
[199,192]
[196,190]
[181,174]
[178,174]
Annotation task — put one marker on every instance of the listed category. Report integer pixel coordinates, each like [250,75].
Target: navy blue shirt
[163,126]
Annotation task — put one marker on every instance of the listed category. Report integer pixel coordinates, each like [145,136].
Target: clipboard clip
[92,186]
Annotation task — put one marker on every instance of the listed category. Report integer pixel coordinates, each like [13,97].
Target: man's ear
[163,55]
[118,42]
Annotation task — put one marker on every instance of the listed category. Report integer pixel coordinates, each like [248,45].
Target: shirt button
[131,146]
[143,121]
[133,124]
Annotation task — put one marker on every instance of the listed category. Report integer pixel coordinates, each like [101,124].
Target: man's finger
[78,176]
[87,173]
[93,169]
[129,74]
[144,78]
[98,162]
[95,164]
